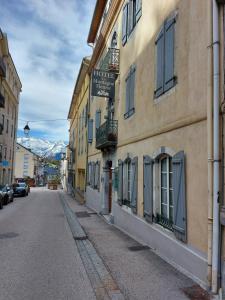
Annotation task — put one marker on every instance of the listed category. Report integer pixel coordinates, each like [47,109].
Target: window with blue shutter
[138,10]
[124,24]
[148,188]
[179,197]
[130,93]
[134,184]
[120,182]
[90,130]
[165,78]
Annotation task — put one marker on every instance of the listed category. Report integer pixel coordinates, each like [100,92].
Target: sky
[47,40]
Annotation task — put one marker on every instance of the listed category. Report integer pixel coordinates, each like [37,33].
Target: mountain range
[42,147]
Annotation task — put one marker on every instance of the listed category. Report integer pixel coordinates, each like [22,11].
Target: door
[110,190]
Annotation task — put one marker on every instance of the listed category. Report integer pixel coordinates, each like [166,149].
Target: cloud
[47,40]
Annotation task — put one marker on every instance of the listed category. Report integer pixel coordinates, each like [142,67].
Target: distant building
[28,164]
[10,88]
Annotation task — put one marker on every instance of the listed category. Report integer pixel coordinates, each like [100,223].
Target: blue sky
[47,40]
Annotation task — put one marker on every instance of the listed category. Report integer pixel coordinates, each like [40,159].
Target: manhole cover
[195,292]
[8,235]
[82,214]
[138,248]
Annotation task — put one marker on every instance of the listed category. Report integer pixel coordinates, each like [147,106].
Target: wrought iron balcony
[106,134]
[2,100]
[2,68]
[111,61]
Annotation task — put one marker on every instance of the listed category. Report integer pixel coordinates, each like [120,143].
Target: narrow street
[38,257]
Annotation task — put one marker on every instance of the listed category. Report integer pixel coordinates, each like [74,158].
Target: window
[3,121]
[131,14]
[166,189]
[97,120]
[165,78]
[11,131]
[7,126]
[5,154]
[130,93]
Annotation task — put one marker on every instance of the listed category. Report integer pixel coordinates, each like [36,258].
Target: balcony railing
[2,100]
[106,134]
[165,222]
[111,61]
[2,68]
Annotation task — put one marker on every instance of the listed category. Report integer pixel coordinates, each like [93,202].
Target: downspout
[210,145]
[215,246]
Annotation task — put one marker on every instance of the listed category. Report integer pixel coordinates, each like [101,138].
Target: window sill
[165,94]
[129,113]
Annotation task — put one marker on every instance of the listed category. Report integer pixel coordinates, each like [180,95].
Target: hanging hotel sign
[103,83]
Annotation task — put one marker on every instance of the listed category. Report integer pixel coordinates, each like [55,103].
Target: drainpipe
[215,247]
[210,146]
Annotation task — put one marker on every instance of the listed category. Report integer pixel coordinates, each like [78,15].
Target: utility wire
[36,121]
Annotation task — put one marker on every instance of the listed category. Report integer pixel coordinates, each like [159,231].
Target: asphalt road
[38,256]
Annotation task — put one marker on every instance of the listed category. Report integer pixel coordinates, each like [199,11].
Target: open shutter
[132,88]
[169,80]
[179,219]
[97,120]
[127,94]
[124,24]
[159,63]
[96,174]
[125,182]
[138,9]
[130,16]
[134,184]
[120,183]
[90,130]
[148,188]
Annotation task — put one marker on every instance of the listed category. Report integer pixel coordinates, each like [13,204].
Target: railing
[2,68]
[106,134]
[111,61]
[165,222]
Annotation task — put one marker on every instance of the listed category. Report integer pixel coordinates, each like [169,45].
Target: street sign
[103,84]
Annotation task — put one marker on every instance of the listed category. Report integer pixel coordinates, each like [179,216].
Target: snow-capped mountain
[43,147]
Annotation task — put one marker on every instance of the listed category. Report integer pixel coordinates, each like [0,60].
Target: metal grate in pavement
[195,292]
[8,235]
[138,248]
[82,214]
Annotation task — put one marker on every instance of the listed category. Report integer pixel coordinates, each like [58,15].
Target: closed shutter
[125,182]
[138,9]
[132,88]
[120,183]
[124,24]
[90,130]
[148,188]
[159,63]
[92,174]
[127,94]
[97,120]
[89,173]
[179,199]
[134,184]
[130,16]
[99,173]
[169,80]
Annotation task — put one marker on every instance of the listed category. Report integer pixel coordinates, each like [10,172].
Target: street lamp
[26,130]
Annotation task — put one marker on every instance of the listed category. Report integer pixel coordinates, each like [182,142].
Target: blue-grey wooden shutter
[90,130]
[96,175]
[130,16]
[138,9]
[132,88]
[120,183]
[179,199]
[99,174]
[148,188]
[169,79]
[127,93]
[124,24]
[134,184]
[159,63]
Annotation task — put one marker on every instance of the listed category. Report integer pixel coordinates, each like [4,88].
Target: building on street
[10,88]
[154,166]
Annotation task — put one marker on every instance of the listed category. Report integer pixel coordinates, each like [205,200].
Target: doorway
[109,183]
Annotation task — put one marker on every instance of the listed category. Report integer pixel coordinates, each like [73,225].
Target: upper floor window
[131,14]
[130,92]
[165,42]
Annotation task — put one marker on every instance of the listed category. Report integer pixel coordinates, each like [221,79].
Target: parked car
[20,189]
[1,200]
[7,193]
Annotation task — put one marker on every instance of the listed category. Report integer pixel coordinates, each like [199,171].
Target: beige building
[27,163]
[78,132]
[152,157]
[10,88]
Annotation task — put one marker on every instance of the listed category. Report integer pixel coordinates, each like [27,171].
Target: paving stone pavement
[140,274]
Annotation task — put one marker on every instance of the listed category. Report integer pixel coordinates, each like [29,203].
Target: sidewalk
[139,273]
